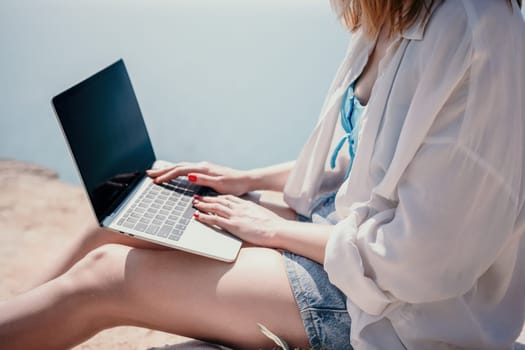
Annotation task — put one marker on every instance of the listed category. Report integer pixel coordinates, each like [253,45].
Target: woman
[413,178]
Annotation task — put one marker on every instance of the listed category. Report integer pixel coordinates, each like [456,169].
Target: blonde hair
[398,15]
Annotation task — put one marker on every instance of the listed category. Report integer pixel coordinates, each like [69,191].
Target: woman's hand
[222,179]
[249,221]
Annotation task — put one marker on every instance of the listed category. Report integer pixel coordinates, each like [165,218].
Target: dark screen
[103,124]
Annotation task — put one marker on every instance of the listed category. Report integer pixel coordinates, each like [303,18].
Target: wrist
[276,232]
[272,178]
[253,180]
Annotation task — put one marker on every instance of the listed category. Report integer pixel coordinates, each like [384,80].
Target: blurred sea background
[240,83]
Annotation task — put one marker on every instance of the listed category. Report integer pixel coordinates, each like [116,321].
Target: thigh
[93,237]
[203,298]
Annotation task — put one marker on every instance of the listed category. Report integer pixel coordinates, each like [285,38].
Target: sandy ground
[39,217]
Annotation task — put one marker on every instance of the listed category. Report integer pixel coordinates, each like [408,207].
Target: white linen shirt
[430,249]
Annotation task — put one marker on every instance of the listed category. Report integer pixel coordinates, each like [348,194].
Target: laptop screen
[102,122]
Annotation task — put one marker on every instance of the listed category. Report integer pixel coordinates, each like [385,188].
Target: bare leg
[93,237]
[164,290]
[89,239]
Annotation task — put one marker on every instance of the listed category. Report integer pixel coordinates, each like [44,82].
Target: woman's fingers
[213,208]
[234,199]
[158,172]
[170,175]
[221,179]
[226,200]
[165,175]
[154,173]
[203,179]
[212,220]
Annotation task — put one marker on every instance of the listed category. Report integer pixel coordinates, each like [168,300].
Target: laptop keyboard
[162,210]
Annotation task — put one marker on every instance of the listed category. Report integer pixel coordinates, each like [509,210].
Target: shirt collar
[417,30]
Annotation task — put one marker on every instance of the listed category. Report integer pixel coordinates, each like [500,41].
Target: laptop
[103,125]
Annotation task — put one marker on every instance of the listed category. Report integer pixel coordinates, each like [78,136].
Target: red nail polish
[197,197]
[192,178]
[196,215]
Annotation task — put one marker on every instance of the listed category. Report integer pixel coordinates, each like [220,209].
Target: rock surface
[39,216]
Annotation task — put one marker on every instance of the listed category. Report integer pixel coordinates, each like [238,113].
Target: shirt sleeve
[457,200]
[446,230]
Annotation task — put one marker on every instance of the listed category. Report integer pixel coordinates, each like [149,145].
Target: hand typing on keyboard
[245,219]
[222,179]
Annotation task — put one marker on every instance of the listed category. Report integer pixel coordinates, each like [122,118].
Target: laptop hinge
[118,200]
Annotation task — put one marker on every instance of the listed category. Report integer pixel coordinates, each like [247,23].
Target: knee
[91,290]
[100,274]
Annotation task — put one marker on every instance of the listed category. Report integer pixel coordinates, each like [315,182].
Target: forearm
[272,178]
[302,238]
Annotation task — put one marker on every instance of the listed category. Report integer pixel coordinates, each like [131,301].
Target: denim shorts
[321,304]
